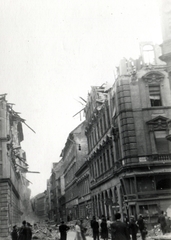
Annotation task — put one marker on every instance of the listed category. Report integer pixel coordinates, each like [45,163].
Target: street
[71,236]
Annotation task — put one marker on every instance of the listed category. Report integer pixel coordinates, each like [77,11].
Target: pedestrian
[83,229]
[142,227]
[162,221]
[104,229]
[14,233]
[168,223]
[63,228]
[29,231]
[119,230]
[108,222]
[95,228]
[126,220]
[108,226]
[133,228]
[23,231]
[78,231]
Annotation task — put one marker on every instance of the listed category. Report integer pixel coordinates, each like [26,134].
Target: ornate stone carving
[158,123]
[153,76]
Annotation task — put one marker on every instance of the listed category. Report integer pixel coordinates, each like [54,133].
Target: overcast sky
[52,51]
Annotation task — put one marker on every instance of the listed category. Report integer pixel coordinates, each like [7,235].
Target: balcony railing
[160,158]
[144,159]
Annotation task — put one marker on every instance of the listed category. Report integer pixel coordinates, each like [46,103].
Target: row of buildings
[14,191]
[119,158]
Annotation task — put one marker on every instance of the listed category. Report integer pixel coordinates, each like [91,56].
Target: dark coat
[133,229]
[14,234]
[104,230]
[63,231]
[162,220]
[23,233]
[95,226]
[119,231]
[141,224]
[29,233]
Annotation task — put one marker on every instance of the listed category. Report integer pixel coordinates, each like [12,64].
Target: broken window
[162,144]
[163,184]
[155,95]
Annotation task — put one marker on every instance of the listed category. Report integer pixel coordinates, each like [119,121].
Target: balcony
[160,158]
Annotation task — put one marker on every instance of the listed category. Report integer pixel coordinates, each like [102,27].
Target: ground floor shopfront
[107,199]
[134,194]
[85,207]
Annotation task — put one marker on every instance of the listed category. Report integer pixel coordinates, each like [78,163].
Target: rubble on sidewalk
[156,234]
[45,232]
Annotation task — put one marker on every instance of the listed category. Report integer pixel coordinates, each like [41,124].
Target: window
[108,158]
[104,122]
[104,160]
[162,144]
[147,210]
[155,96]
[97,133]
[101,125]
[98,167]
[148,54]
[101,165]
[108,117]
[163,182]
[145,184]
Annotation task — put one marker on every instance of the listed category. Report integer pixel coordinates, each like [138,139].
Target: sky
[52,51]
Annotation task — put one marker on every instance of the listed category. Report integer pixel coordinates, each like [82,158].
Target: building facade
[58,190]
[14,190]
[130,160]
[39,206]
[166,33]
[142,109]
[73,156]
[101,159]
[84,194]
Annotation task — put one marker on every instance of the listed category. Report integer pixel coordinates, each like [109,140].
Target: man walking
[119,230]
[95,228]
[23,231]
[63,228]
[162,221]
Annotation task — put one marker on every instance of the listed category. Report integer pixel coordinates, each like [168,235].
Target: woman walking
[78,231]
[104,229]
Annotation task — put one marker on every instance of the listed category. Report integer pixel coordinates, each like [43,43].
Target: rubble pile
[156,233]
[87,225]
[45,233]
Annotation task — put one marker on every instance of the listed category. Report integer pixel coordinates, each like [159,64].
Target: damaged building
[127,127]
[14,190]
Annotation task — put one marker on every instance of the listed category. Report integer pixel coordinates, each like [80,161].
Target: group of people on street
[102,228]
[119,230]
[22,233]
[80,230]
